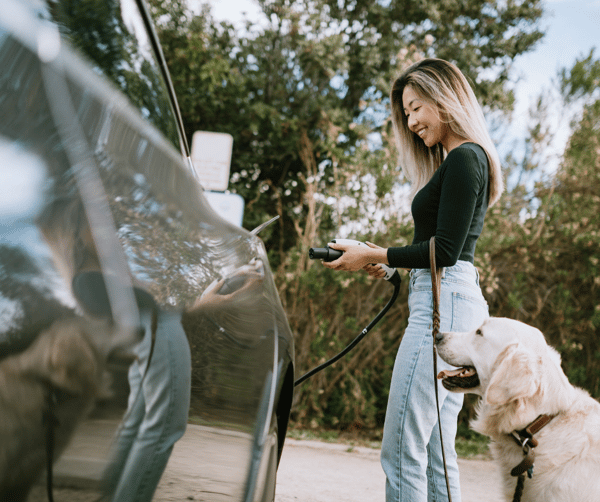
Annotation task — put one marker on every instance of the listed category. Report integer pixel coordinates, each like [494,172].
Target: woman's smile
[424,119]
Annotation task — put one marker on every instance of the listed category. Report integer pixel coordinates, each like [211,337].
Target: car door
[90,122]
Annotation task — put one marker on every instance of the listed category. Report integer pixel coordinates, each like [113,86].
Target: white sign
[229,206]
[211,156]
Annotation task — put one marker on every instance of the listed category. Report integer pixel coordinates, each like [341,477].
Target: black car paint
[75,127]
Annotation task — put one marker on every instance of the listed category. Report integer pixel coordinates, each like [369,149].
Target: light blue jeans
[156,415]
[411,453]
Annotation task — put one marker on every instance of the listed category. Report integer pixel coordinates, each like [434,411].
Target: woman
[454,170]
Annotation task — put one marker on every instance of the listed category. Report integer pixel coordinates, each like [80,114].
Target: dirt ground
[310,471]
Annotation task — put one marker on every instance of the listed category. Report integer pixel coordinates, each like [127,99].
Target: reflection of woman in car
[159,377]
[217,325]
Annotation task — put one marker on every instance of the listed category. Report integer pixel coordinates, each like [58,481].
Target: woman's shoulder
[469,155]
[468,159]
[467,150]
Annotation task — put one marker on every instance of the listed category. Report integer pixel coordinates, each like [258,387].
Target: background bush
[304,94]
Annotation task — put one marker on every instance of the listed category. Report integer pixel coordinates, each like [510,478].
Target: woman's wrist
[379,256]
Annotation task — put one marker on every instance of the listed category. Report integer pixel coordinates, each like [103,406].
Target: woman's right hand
[375,270]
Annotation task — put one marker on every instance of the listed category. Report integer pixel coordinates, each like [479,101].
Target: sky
[572,28]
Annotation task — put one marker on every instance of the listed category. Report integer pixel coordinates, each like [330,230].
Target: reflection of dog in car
[54,383]
[533,415]
[159,377]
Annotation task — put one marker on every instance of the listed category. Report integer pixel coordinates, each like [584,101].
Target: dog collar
[524,438]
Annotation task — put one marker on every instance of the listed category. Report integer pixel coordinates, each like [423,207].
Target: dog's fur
[67,358]
[519,377]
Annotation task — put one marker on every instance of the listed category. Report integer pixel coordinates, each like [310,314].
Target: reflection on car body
[102,222]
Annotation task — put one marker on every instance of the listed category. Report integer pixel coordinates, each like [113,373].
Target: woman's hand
[247,279]
[358,257]
[375,269]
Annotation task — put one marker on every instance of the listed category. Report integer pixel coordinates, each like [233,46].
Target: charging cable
[392,275]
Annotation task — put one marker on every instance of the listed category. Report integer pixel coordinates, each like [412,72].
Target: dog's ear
[66,358]
[515,377]
[74,366]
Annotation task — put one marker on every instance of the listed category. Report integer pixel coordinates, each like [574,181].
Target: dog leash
[524,438]
[436,288]
[51,422]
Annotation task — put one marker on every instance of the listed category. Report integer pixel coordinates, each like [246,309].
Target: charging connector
[392,275]
[329,254]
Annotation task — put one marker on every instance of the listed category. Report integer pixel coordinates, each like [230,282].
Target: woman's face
[424,119]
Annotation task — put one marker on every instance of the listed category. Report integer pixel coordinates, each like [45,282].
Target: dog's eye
[479,332]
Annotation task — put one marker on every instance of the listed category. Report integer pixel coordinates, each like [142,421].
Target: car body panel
[72,136]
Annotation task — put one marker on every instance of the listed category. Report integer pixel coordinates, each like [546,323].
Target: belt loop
[443,274]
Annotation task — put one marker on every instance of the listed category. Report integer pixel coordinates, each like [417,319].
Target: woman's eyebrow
[410,104]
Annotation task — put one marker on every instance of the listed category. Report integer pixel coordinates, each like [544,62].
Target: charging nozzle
[330,254]
[325,254]
[392,275]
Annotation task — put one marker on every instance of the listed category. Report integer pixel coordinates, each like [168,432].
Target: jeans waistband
[418,272]
[460,267]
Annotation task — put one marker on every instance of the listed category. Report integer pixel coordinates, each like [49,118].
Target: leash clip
[530,472]
[526,464]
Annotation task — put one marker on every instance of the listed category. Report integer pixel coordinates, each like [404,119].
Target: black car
[112,263]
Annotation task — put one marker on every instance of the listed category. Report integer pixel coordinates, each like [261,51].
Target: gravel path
[312,471]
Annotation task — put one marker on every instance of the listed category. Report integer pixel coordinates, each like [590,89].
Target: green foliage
[305,97]
[470,444]
[583,80]
[304,94]
[543,268]
[539,262]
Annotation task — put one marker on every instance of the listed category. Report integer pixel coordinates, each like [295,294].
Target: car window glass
[113,36]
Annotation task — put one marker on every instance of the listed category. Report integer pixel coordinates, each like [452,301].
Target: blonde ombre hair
[442,84]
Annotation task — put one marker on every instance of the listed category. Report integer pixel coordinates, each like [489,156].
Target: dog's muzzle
[462,378]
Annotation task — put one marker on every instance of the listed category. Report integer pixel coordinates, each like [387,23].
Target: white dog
[55,381]
[519,378]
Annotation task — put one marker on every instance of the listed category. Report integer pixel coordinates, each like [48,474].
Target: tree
[542,265]
[304,93]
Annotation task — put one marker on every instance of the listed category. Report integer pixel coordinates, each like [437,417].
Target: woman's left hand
[354,257]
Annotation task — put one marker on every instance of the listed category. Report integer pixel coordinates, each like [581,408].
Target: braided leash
[524,438]
[436,288]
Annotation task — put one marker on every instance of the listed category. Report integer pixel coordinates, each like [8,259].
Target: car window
[113,36]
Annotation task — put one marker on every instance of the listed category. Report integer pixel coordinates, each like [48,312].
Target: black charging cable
[395,279]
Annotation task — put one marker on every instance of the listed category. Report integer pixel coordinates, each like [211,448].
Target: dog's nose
[439,337]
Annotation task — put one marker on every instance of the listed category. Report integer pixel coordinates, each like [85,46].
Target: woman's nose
[411,122]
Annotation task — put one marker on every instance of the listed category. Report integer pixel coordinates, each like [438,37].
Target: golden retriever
[66,363]
[519,377]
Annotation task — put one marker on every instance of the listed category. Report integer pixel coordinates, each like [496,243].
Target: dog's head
[505,361]
[71,356]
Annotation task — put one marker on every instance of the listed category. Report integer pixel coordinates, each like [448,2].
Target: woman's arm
[356,257]
[462,179]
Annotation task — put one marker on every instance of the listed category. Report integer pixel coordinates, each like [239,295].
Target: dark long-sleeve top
[451,206]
